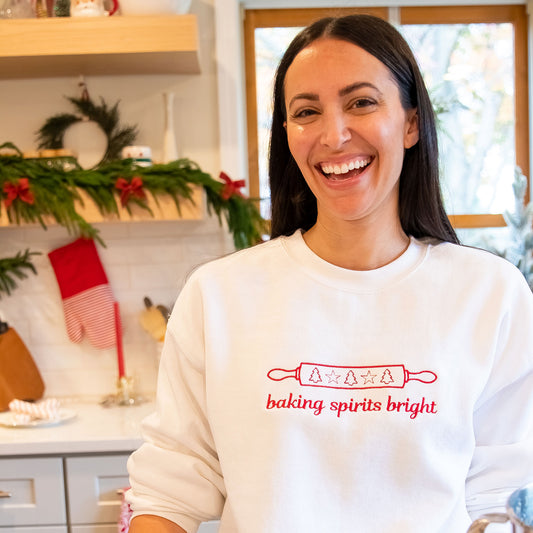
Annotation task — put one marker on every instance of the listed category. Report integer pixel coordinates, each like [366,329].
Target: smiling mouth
[346,170]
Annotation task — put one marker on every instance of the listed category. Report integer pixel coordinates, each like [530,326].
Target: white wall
[141,259]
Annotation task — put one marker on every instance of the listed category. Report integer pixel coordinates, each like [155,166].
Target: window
[474,61]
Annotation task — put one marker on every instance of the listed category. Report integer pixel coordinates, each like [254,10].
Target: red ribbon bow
[129,189]
[20,190]
[231,187]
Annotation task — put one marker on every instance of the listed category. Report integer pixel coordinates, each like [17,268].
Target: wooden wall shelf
[163,209]
[117,45]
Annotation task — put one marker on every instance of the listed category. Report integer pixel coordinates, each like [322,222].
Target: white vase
[170,151]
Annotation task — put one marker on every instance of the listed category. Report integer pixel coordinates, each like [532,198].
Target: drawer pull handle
[5,494]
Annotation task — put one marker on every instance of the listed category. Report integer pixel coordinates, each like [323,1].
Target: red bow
[231,187]
[21,190]
[133,188]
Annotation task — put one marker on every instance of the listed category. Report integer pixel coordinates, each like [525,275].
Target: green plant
[11,267]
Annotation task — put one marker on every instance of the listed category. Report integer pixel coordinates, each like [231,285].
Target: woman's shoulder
[479,262]
[259,256]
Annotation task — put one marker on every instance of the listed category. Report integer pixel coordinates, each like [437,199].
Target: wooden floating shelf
[116,45]
[163,209]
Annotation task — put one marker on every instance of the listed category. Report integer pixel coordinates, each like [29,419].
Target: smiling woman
[284,399]
[348,139]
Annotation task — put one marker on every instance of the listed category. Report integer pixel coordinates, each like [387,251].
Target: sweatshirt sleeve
[176,474]
[503,418]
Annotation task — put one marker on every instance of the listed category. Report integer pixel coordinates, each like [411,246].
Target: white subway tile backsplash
[140,259]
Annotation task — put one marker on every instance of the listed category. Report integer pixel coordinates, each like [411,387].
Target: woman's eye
[362,102]
[303,113]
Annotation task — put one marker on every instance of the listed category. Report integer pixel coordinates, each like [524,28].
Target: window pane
[469,71]
[270,45]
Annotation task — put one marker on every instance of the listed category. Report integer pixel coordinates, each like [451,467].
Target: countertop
[93,429]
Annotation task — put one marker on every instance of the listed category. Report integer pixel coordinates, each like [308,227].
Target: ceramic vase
[170,151]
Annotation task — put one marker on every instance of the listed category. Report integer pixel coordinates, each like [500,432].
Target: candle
[120,353]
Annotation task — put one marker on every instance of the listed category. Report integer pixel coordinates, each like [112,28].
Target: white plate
[8,420]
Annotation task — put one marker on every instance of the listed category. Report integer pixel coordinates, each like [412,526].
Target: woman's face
[347,131]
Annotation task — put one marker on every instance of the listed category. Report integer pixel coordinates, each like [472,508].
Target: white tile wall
[140,259]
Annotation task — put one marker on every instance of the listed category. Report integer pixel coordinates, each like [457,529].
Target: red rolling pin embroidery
[352,377]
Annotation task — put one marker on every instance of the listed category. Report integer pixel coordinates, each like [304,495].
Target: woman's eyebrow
[343,92]
[304,96]
[358,85]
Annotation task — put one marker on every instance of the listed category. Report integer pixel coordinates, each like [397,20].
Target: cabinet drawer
[93,484]
[36,529]
[95,528]
[35,492]
[209,527]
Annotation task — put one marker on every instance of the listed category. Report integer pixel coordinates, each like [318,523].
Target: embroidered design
[352,377]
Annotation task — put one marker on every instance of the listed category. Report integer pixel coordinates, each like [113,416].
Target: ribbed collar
[366,281]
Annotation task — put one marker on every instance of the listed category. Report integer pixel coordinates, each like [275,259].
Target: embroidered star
[368,377]
[333,377]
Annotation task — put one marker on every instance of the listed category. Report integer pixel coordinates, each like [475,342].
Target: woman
[360,371]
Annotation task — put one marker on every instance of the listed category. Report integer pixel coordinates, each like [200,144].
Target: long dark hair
[420,204]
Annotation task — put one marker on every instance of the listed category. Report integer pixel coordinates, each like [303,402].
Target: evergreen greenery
[11,267]
[51,134]
[55,184]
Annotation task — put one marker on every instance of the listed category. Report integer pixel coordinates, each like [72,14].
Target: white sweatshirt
[295,396]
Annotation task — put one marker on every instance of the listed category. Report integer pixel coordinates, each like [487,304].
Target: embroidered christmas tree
[387,377]
[315,376]
[350,379]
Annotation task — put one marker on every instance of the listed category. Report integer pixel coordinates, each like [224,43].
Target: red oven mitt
[86,294]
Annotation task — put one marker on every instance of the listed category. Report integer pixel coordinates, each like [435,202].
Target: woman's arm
[148,523]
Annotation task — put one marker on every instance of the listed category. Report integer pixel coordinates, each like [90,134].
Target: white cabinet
[94,487]
[37,492]
[34,497]
[33,494]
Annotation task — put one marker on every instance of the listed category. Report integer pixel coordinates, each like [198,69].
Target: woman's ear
[412,132]
[285,125]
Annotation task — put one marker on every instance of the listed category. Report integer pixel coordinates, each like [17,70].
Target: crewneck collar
[354,280]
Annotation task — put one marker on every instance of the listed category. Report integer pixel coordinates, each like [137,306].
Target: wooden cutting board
[19,375]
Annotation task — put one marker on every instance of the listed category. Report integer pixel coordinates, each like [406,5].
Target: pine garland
[54,188]
[13,266]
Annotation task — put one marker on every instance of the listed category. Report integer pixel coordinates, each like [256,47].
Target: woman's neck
[356,246]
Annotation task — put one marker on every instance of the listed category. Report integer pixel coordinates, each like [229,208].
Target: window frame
[512,13]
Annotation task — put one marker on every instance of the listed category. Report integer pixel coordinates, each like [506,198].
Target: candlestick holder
[125,395]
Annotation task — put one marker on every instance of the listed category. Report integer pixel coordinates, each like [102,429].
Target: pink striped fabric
[91,313]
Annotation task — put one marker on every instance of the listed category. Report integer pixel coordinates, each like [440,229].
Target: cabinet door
[94,485]
[33,492]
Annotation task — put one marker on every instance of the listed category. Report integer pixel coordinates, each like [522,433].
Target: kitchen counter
[94,429]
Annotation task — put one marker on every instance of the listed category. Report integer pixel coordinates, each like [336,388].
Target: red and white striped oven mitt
[86,294]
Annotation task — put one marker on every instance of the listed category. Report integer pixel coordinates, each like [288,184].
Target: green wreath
[51,134]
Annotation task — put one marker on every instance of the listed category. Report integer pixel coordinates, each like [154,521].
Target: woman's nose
[335,130]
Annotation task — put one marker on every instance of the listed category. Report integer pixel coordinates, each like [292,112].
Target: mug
[142,155]
[91,8]
[519,513]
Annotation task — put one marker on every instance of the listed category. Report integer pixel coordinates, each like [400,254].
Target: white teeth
[345,167]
